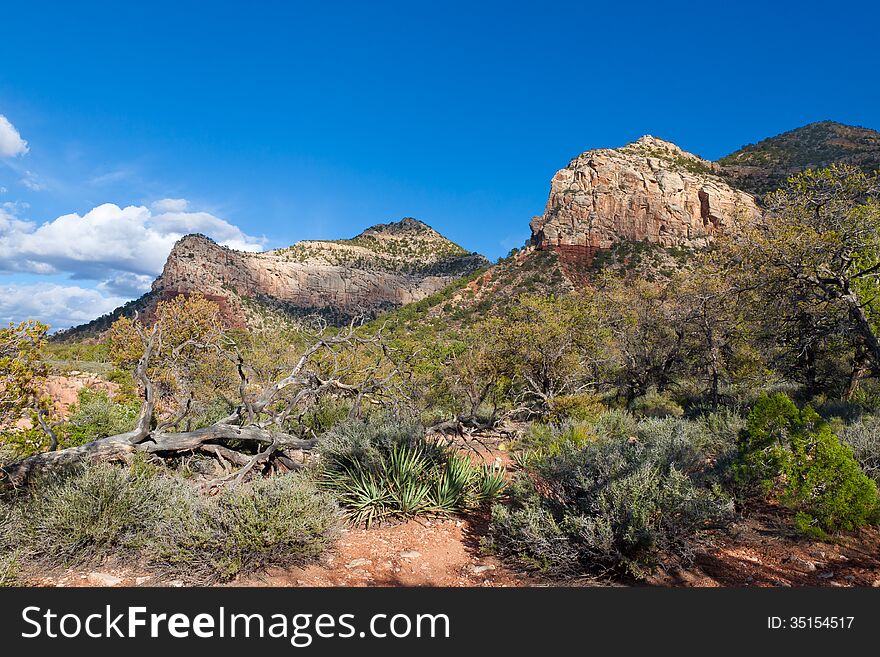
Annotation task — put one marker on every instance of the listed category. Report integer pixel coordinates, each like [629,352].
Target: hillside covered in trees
[670,366]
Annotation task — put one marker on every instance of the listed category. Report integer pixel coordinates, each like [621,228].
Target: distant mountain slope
[762,167]
[385,267]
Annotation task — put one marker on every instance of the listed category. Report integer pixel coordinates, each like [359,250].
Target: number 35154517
[810,622]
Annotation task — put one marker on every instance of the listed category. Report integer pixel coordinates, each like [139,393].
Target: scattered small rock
[800,564]
[176,583]
[104,579]
[140,581]
[411,554]
[826,575]
[482,569]
[357,563]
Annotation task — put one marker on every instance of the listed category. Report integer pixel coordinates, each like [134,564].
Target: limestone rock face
[386,266]
[650,190]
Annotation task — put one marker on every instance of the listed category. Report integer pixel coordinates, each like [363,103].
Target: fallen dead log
[208,439]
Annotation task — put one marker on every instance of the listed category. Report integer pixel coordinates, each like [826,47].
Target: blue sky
[266,123]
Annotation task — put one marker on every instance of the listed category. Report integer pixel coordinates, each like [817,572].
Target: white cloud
[11,143]
[108,240]
[57,305]
[122,249]
[126,284]
[32,182]
[170,205]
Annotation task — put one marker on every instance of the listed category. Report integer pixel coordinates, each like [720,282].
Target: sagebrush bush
[720,430]
[139,513]
[89,514]
[96,416]
[618,424]
[655,404]
[864,439]
[366,441]
[792,455]
[8,550]
[612,505]
[383,469]
[542,440]
[279,521]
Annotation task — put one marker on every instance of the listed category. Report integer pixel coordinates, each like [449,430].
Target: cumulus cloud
[170,205]
[11,143]
[121,249]
[108,240]
[58,305]
[126,284]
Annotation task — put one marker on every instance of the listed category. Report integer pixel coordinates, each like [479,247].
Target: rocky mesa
[386,266]
[650,190]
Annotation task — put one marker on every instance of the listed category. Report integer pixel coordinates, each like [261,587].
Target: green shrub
[617,424]
[97,416]
[720,431]
[382,469]
[280,521]
[610,506]
[580,407]
[655,404]
[324,415]
[864,439]
[83,517]
[138,513]
[366,441]
[793,456]
[544,440]
[20,442]
[8,551]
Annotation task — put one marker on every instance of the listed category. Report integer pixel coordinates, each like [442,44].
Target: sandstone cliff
[650,190]
[384,267]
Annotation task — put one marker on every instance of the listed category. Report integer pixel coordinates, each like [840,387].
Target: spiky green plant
[378,472]
[361,493]
[405,469]
[490,482]
[453,485]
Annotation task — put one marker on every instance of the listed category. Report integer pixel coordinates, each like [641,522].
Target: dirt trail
[415,553]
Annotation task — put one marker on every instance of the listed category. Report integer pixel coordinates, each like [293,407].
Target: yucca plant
[406,470]
[525,458]
[361,493]
[452,487]
[490,482]
[378,474]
